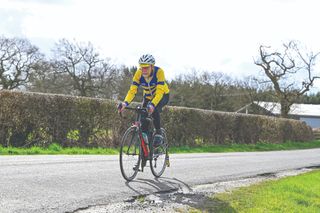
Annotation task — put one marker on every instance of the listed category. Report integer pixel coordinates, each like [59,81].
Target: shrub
[28,119]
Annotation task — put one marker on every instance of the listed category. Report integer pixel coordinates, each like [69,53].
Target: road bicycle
[136,148]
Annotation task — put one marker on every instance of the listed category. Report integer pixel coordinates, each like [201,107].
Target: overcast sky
[207,35]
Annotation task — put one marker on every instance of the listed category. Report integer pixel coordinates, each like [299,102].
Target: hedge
[28,119]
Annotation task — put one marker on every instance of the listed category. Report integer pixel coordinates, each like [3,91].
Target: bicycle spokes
[159,158]
[130,154]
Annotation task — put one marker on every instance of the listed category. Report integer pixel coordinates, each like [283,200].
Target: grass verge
[247,147]
[292,194]
[57,149]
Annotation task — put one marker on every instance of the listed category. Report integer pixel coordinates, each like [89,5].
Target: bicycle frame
[137,124]
[144,146]
[143,151]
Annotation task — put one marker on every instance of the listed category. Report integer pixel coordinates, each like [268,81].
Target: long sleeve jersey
[154,87]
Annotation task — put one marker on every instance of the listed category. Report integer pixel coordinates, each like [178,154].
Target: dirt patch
[185,199]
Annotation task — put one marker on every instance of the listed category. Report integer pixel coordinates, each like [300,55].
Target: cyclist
[155,93]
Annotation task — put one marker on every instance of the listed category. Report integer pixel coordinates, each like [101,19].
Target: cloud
[12,22]
[52,2]
[208,35]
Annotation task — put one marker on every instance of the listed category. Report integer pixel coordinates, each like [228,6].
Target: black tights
[155,115]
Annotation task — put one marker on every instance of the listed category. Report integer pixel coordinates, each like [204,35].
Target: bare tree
[123,82]
[90,73]
[45,79]
[291,72]
[216,85]
[17,60]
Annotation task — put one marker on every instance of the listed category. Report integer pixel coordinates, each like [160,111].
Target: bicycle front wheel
[159,156]
[130,154]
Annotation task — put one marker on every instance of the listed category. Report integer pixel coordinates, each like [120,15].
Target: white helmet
[147,59]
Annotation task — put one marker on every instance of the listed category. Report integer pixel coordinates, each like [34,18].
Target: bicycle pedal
[136,167]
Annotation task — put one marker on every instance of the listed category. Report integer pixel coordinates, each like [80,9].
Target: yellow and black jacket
[154,87]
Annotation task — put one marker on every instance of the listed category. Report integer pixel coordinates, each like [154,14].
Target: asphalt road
[67,183]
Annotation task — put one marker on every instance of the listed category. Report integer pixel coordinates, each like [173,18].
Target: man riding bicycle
[155,93]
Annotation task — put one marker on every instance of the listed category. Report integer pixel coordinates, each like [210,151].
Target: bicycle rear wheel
[159,155]
[130,154]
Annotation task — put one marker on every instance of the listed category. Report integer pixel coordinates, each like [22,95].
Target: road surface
[68,183]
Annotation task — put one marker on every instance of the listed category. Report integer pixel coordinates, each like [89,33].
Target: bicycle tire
[134,143]
[163,152]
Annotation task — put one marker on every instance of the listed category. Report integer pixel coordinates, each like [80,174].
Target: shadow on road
[158,185]
[174,190]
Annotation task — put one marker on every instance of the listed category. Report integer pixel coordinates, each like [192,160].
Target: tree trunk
[285,108]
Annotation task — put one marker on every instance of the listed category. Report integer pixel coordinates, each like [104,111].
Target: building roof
[296,109]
